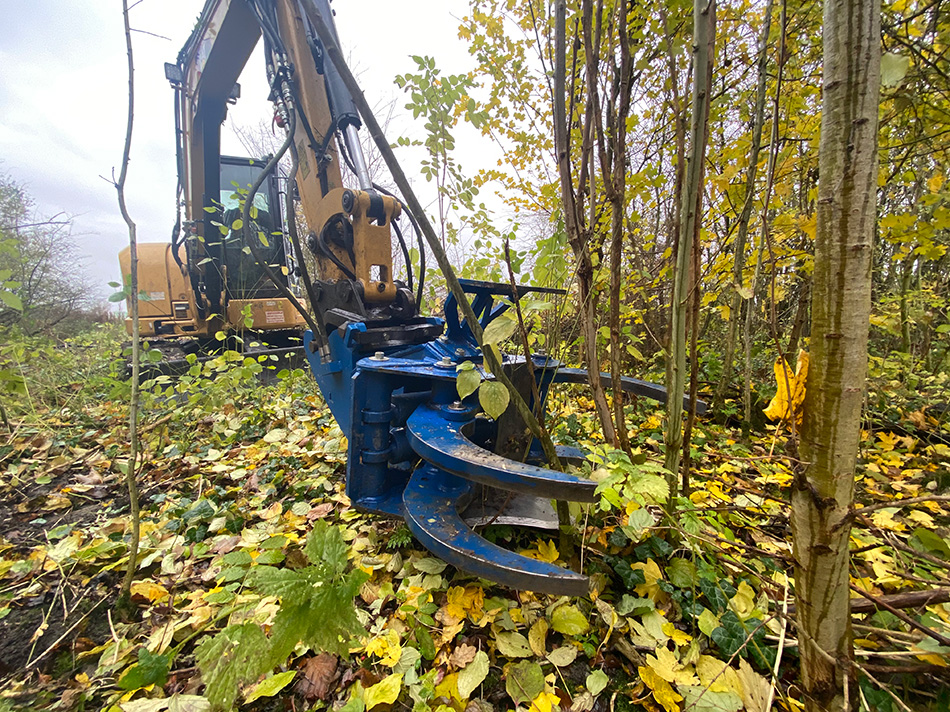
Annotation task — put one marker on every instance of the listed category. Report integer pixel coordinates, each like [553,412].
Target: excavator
[416,449]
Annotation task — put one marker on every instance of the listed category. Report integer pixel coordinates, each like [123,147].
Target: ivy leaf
[231,658]
[682,573]
[493,397]
[525,681]
[651,486]
[473,674]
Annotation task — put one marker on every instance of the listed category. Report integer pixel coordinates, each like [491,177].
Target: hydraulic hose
[250,240]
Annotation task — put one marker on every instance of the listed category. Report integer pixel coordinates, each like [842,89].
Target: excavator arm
[416,449]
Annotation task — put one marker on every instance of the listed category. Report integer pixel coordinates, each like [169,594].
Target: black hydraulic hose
[405,253]
[176,231]
[246,224]
[419,241]
[320,335]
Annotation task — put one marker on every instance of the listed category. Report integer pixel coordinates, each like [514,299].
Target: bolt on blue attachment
[419,452]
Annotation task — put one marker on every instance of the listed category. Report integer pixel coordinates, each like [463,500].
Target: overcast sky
[63,101]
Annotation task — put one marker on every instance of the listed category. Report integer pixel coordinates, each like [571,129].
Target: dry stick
[125,594]
[61,638]
[942,639]
[336,56]
[903,503]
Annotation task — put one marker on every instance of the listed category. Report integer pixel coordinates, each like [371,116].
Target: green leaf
[568,619]
[596,682]
[893,69]
[114,297]
[325,547]
[525,681]
[707,621]
[563,656]
[697,698]
[151,669]
[467,382]
[652,486]
[493,397]
[237,224]
[232,658]
[500,328]
[513,645]
[383,693]
[11,300]
[473,674]
[270,686]
[682,573]
[429,565]
[929,542]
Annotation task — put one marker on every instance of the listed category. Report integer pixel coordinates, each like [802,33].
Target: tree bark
[124,603]
[745,217]
[704,38]
[823,490]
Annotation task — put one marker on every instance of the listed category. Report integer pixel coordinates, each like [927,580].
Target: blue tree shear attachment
[418,452]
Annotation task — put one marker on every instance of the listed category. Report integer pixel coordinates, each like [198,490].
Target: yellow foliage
[790,394]
[545,702]
[462,601]
[386,647]
[663,692]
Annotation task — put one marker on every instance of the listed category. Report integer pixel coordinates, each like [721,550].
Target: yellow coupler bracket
[372,241]
[265,314]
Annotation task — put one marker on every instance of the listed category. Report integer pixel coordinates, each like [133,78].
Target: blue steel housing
[418,452]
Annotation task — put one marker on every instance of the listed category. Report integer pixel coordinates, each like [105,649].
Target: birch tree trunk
[823,490]
[704,39]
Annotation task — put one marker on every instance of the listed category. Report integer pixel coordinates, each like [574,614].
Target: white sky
[63,102]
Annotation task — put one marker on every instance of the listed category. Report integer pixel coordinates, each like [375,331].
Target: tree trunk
[742,234]
[704,37]
[823,489]
[124,604]
[617,193]
[573,218]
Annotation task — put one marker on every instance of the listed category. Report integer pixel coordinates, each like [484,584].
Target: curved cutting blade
[430,503]
[440,442]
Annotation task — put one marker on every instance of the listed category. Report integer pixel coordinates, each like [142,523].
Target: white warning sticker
[274,317]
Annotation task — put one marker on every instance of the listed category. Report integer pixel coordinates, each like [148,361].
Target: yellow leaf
[462,601]
[545,702]
[717,676]
[386,647]
[790,390]
[665,664]
[743,603]
[449,688]
[678,636]
[384,692]
[544,551]
[651,574]
[537,637]
[150,590]
[663,693]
